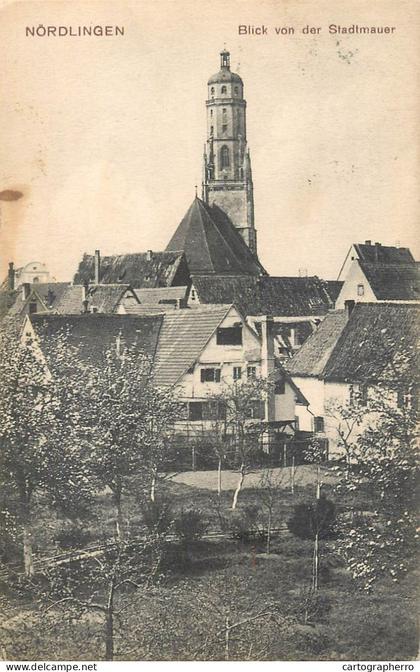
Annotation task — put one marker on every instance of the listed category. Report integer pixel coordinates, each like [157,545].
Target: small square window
[360,290]
[210,375]
[237,373]
[229,335]
[195,410]
[319,424]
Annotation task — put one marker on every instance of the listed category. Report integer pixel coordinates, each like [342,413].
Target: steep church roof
[212,244]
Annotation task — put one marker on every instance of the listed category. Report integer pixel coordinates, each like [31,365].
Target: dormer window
[224,89]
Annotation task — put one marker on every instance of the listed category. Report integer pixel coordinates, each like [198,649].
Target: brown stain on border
[13,204]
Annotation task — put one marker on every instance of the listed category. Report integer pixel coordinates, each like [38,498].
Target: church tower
[227,177]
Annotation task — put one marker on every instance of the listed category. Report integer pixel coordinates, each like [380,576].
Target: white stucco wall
[349,291]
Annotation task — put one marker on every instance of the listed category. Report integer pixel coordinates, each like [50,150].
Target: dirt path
[305,475]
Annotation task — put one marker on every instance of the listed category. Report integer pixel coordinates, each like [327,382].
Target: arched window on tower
[212,91]
[236,90]
[211,113]
[224,89]
[224,157]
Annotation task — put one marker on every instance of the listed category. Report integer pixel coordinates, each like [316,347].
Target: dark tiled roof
[182,338]
[162,294]
[8,297]
[142,269]
[102,299]
[277,296]
[212,244]
[49,293]
[379,343]
[334,288]
[311,359]
[384,254]
[94,333]
[389,282]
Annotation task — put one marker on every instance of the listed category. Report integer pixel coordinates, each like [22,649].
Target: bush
[308,519]
[72,537]
[157,516]
[243,525]
[190,525]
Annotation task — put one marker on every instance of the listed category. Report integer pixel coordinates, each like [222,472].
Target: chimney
[97,266]
[149,255]
[368,242]
[11,276]
[377,246]
[26,290]
[348,307]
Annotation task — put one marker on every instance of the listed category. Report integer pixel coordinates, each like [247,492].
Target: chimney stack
[377,246]
[348,307]
[97,266]
[149,255]
[368,242]
[11,275]
[26,290]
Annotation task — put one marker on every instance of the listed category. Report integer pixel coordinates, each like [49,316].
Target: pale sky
[104,135]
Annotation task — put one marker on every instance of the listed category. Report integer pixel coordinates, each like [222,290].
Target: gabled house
[379,273]
[368,348]
[297,304]
[195,352]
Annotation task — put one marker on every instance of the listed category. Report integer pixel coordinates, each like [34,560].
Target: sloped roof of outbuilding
[142,269]
[266,295]
[212,244]
[400,282]
[377,343]
[385,254]
[94,333]
[313,356]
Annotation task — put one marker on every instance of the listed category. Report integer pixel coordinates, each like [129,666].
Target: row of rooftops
[365,344]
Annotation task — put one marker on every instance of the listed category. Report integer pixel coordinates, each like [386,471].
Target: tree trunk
[292,476]
[239,486]
[315,572]
[153,487]
[28,561]
[119,521]
[219,478]
[109,634]
[227,638]
[109,621]
[268,548]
